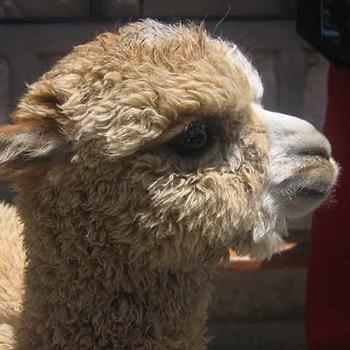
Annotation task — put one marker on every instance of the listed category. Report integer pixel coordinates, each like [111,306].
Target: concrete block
[258,295]
[257,336]
[4,91]
[265,63]
[315,92]
[5,189]
[110,9]
[205,9]
[39,9]
[48,59]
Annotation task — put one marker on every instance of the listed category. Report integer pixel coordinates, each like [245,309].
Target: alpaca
[138,161]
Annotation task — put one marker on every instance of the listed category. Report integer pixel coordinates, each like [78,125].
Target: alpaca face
[168,146]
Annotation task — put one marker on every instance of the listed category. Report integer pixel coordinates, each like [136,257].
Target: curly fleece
[121,233]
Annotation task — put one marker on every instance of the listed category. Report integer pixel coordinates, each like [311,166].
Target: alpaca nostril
[316,144]
[322,152]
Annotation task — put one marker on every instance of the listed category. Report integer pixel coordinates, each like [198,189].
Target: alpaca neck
[98,299]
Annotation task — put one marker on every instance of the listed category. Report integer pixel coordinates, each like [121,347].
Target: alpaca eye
[193,140]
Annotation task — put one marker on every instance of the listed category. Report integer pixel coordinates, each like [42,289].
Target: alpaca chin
[263,249]
[268,235]
[269,228]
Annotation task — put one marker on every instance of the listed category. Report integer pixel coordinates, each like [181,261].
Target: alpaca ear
[30,147]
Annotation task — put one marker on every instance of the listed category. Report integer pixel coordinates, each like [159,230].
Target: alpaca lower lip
[313,182]
[305,190]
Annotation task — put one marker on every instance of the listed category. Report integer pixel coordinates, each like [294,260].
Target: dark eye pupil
[193,140]
[195,136]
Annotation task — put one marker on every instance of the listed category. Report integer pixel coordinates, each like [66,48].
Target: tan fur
[122,235]
[6,337]
[11,266]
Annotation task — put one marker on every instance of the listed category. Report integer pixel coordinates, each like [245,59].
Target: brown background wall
[256,309]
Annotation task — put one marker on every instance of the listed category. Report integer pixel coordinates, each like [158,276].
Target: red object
[328,289]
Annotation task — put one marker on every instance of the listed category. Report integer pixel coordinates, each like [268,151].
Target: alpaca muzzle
[301,170]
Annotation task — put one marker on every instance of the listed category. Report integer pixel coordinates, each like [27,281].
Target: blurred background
[257,305]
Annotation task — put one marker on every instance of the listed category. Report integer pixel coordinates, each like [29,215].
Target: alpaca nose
[294,136]
[312,142]
[320,149]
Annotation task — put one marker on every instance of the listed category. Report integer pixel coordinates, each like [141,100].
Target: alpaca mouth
[317,178]
[299,189]
[314,181]
[309,187]
[310,192]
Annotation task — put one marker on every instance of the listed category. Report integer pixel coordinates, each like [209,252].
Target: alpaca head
[157,138]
